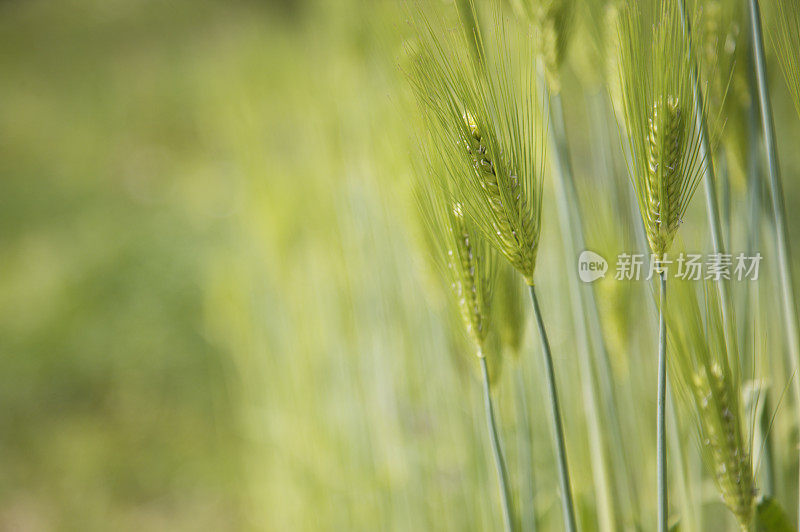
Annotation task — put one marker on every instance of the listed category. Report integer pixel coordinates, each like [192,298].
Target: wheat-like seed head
[787,44]
[724,56]
[707,381]
[469,282]
[661,129]
[518,241]
[463,256]
[477,92]
[722,439]
[551,20]
[665,152]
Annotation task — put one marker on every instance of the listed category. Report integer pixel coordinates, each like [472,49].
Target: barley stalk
[778,207]
[551,22]
[508,517]
[665,138]
[558,429]
[661,424]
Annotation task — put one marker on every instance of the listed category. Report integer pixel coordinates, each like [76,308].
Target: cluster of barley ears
[477,91]
[490,94]
[486,117]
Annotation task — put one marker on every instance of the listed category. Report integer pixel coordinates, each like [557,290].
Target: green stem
[558,430]
[499,462]
[528,489]
[661,429]
[776,193]
[725,191]
[690,515]
[754,186]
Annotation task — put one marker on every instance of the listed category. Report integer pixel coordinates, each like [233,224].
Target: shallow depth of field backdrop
[215,313]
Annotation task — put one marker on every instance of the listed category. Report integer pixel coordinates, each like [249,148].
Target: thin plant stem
[528,488]
[661,428]
[725,190]
[690,516]
[754,186]
[776,194]
[499,462]
[558,430]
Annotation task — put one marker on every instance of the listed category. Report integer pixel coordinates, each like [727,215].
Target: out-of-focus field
[214,314]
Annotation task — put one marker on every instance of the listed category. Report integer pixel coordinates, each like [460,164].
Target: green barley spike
[472,294]
[515,240]
[659,127]
[707,382]
[665,149]
[733,470]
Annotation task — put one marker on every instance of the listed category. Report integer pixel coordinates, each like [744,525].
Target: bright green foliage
[661,132]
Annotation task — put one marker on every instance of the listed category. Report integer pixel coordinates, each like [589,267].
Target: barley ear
[463,257]
[665,144]
[517,235]
[708,384]
[487,125]
[472,280]
[551,21]
[659,127]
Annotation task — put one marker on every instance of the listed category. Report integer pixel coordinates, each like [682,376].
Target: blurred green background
[213,311]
